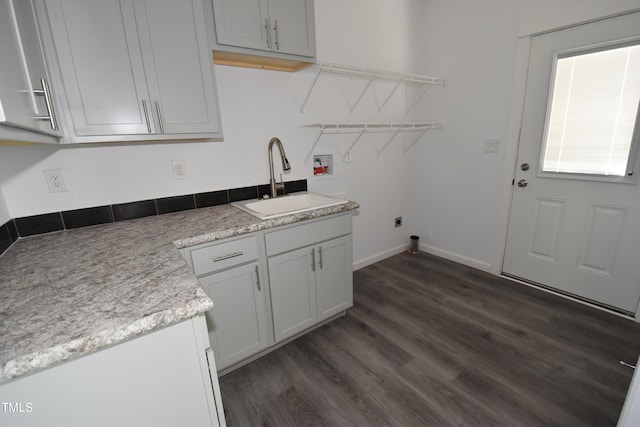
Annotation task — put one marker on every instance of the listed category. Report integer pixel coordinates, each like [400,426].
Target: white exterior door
[575,215]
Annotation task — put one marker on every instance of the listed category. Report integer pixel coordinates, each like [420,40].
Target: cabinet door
[237,323]
[23,70]
[154,380]
[292,26]
[334,277]
[101,65]
[15,101]
[179,65]
[242,23]
[293,298]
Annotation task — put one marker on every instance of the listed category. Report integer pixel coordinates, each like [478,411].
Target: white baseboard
[471,262]
[357,265]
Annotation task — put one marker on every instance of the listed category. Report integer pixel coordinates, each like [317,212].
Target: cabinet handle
[228,256]
[258,278]
[146,115]
[320,255]
[46,92]
[313,259]
[266,27]
[275,28]
[159,117]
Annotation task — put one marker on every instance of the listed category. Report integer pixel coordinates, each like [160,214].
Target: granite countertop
[69,293]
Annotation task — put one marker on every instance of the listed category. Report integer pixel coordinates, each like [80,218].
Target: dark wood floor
[433,343]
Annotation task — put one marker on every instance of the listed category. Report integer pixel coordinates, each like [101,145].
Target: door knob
[522,183]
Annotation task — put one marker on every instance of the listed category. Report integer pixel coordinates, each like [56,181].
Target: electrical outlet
[492,145]
[55,180]
[179,168]
[398,221]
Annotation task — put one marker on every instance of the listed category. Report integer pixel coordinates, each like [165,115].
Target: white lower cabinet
[164,378]
[309,285]
[310,273]
[293,297]
[309,280]
[238,322]
[334,277]
[230,273]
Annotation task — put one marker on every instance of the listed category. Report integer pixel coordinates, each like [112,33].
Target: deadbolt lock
[524,166]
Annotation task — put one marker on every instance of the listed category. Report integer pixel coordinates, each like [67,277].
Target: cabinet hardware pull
[320,253]
[160,117]
[146,115]
[266,27]
[228,256]
[275,28]
[258,278]
[313,259]
[46,92]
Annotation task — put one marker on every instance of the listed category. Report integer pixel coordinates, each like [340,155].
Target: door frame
[512,145]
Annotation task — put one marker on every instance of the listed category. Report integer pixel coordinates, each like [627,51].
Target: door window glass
[593,112]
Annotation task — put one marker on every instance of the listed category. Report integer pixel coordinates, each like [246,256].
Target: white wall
[463,192]
[255,106]
[448,191]
[535,16]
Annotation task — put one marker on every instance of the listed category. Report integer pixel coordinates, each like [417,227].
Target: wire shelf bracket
[371,74]
[415,140]
[398,83]
[425,90]
[362,94]
[362,128]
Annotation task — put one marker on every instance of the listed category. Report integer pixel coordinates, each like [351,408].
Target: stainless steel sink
[287,205]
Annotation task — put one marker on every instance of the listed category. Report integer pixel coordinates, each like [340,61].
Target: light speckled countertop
[66,294]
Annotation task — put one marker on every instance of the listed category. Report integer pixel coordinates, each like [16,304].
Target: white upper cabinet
[176,53]
[101,65]
[292,27]
[135,69]
[25,95]
[277,26]
[242,23]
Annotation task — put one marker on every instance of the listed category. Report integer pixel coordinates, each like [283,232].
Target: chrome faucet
[275,186]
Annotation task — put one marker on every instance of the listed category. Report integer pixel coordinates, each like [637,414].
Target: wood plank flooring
[433,343]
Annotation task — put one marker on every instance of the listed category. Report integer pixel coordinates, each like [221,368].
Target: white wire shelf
[330,67]
[362,128]
[373,74]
